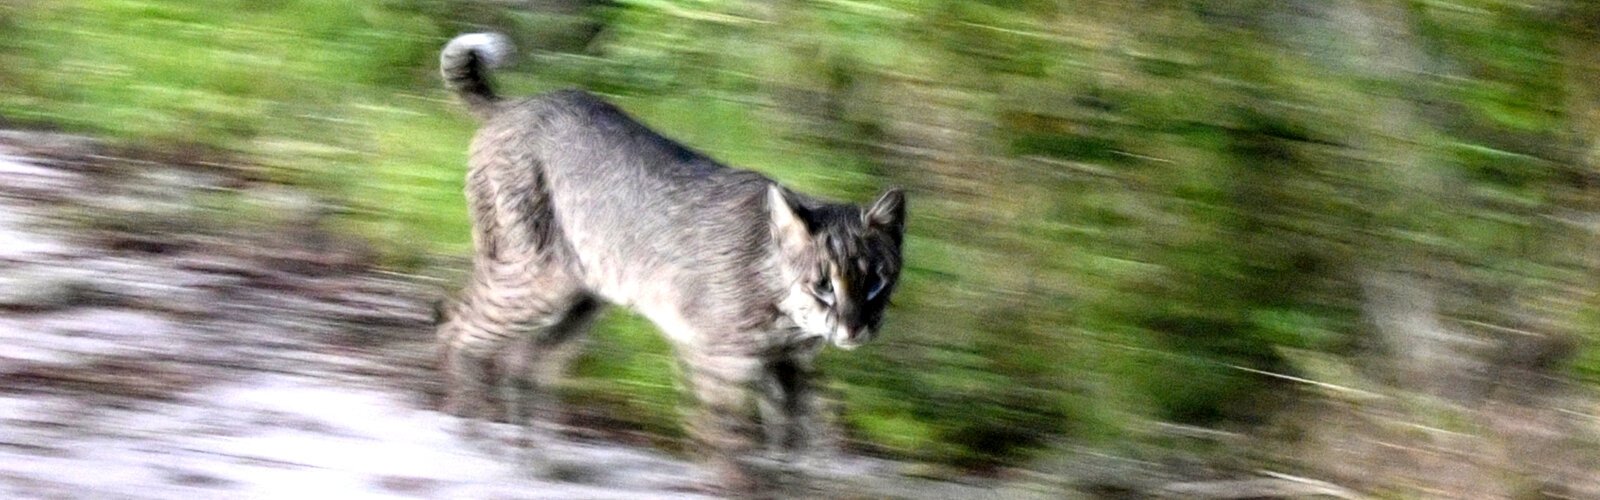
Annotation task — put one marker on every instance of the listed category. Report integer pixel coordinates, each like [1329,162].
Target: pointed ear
[789,222]
[889,212]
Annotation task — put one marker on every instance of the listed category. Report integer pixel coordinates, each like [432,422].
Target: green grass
[331,95]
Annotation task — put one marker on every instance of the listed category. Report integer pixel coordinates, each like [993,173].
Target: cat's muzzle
[846,338]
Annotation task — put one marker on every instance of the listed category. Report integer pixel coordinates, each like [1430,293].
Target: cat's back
[579,131]
[581,143]
[617,185]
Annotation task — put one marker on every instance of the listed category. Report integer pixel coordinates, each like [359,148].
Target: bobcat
[575,204]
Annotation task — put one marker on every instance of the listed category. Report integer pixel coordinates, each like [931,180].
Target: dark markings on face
[858,266]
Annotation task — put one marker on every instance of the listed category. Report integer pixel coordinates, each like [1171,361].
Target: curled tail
[464,64]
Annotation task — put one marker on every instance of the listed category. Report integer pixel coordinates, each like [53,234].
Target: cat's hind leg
[537,366]
[505,299]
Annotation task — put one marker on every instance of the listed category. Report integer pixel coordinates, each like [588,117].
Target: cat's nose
[844,338]
[848,338]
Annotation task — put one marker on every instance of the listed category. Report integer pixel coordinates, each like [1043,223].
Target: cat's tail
[465,63]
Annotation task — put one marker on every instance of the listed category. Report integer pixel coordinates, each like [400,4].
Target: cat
[576,205]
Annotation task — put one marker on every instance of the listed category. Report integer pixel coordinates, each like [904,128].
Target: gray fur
[573,201]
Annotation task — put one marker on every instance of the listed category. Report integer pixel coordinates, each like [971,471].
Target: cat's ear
[889,212]
[789,219]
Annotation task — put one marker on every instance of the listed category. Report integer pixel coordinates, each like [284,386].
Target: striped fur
[575,204]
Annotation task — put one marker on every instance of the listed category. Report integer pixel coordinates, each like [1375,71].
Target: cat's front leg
[721,425]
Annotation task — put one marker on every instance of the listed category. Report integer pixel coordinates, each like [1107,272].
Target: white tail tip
[493,49]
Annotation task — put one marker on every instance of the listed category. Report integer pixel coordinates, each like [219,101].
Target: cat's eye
[879,282]
[824,291]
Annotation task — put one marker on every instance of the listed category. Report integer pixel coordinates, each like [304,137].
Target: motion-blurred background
[1151,241]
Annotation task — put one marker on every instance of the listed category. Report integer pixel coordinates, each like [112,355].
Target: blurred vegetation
[1122,212]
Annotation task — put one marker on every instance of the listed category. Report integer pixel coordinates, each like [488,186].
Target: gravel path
[171,358]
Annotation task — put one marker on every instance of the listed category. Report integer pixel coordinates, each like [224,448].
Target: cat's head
[839,262]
